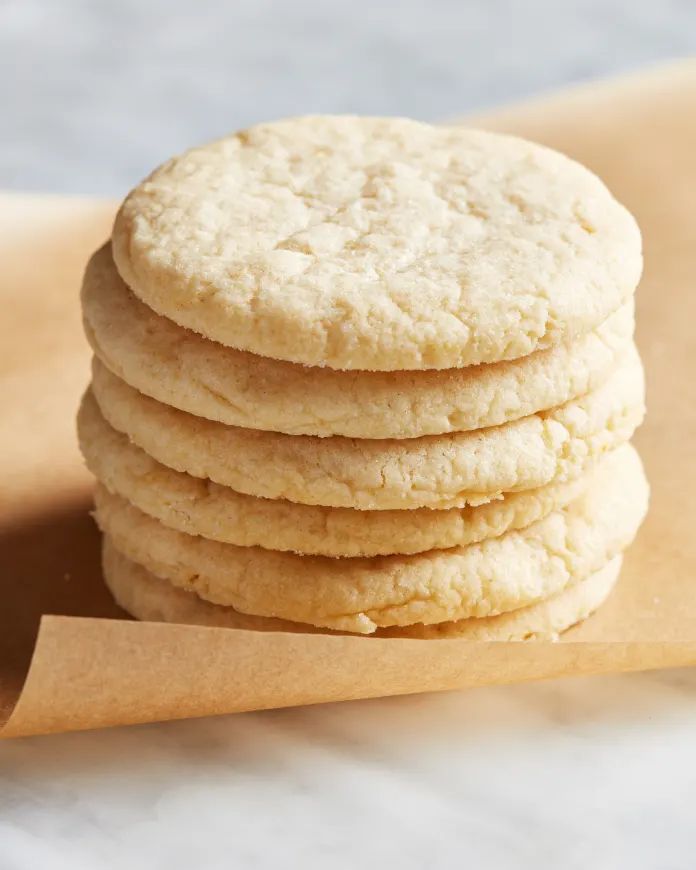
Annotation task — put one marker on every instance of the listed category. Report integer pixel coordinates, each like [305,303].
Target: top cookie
[377,243]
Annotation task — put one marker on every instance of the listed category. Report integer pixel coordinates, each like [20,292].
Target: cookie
[436,471]
[545,620]
[360,595]
[147,597]
[378,243]
[151,599]
[180,368]
[200,507]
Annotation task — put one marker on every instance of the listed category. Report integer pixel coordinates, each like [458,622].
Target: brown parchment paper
[87,665]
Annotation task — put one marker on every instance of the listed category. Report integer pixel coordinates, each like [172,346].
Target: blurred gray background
[95,93]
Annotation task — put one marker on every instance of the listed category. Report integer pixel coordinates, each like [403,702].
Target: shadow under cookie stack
[369,376]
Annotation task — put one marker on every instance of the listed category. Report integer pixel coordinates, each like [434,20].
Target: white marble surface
[96,92]
[593,773]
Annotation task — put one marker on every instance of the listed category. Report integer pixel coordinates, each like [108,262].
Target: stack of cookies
[366,375]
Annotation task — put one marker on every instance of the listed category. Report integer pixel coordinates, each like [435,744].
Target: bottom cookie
[150,598]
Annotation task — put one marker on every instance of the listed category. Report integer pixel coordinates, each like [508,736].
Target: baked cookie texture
[436,471]
[181,368]
[377,243]
[145,596]
[201,507]
[366,376]
[501,574]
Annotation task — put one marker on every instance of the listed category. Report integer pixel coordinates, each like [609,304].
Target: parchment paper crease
[92,667]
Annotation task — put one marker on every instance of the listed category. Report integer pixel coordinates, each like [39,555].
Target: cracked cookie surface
[147,597]
[181,368]
[436,471]
[377,243]
[201,507]
[360,595]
